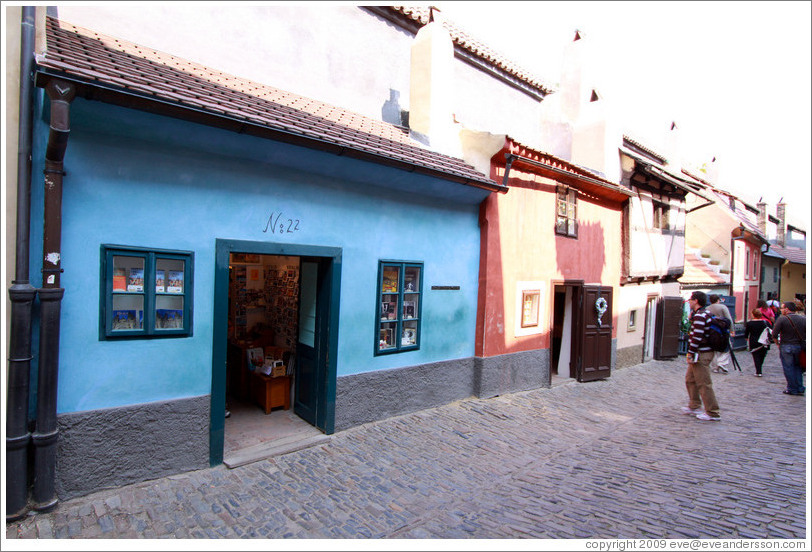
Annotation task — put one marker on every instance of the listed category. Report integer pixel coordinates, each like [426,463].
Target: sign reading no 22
[278,224]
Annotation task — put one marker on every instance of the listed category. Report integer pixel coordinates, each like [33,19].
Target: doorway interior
[650,328]
[263,329]
[562,369]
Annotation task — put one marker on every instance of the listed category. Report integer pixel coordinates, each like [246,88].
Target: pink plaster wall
[519,243]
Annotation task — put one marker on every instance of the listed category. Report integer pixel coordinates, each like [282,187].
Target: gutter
[50,295]
[21,293]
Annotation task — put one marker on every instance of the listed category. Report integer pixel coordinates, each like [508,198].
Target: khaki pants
[720,360]
[699,385]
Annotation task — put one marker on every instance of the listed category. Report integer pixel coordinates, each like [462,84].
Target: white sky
[734,76]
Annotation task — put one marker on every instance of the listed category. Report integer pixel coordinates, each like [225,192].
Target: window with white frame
[632,320]
[660,216]
[566,222]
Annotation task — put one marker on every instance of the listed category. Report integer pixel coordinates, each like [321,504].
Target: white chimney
[673,144]
[571,92]
[596,135]
[713,171]
[431,117]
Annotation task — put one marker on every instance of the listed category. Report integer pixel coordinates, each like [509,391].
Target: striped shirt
[699,320]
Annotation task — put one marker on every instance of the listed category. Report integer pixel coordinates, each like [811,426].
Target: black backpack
[717,333]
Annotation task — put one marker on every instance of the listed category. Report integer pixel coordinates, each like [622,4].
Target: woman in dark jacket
[752,331]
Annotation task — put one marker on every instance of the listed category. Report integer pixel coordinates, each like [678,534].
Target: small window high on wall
[660,218]
[145,293]
[566,222]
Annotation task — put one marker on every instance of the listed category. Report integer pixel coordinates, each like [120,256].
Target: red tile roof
[792,254]
[100,61]
[741,211]
[421,15]
[554,162]
[564,171]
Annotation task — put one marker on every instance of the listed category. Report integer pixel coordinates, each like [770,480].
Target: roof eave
[109,94]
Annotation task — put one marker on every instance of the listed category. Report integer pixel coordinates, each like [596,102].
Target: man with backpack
[698,377]
[721,359]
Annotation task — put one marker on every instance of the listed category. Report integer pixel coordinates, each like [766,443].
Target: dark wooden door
[666,336]
[595,361]
[308,372]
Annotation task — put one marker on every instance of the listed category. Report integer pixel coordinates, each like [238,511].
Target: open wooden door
[595,360]
[314,386]
[669,317]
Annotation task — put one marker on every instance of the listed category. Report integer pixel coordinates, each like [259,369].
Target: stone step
[273,448]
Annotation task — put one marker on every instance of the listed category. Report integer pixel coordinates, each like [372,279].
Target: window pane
[389,307]
[169,275]
[391,279]
[571,227]
[411,280]
[128,274]
[128,312]
[166,269]
[386,338]
[410,305]
[562,207]
[307,303]
[561,225]
[409,337]
[168,312]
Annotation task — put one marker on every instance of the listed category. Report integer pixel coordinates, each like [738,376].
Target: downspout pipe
[21,292]
[50,296]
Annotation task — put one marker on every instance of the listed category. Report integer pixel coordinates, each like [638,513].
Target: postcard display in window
[169,288]
[128,293]
[399,307]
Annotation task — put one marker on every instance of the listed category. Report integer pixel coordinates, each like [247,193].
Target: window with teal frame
[397,327]
[145,293]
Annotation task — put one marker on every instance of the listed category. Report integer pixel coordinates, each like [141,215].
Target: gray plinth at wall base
[512,373]
[363,398]
[108,448]
[629,356]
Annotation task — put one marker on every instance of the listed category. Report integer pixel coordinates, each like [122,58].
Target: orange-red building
[550,265]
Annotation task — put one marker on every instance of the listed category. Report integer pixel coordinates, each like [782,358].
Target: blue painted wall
[142,180]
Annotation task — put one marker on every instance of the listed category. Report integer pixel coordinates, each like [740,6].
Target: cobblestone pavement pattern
[608,459]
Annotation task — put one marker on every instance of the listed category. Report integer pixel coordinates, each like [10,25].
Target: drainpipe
[50,296]
[21,293]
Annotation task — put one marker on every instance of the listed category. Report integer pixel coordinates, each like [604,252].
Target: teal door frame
[331,292]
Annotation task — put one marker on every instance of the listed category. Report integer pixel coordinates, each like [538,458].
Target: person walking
[789,330]
[721,359]
[766,312]
[753,331]
[697,377]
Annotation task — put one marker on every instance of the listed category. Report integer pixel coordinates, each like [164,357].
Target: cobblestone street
[607,459]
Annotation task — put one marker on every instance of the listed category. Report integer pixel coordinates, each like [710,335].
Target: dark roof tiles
[792,254]
[104,60]
[421,15]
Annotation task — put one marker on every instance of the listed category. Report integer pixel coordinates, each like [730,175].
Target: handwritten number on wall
[277,223]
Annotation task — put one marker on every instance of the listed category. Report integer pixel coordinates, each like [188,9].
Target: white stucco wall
[653,252]
[341,55]
[635,297]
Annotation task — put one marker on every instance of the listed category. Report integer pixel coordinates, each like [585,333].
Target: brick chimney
[781,214]
[762,217]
